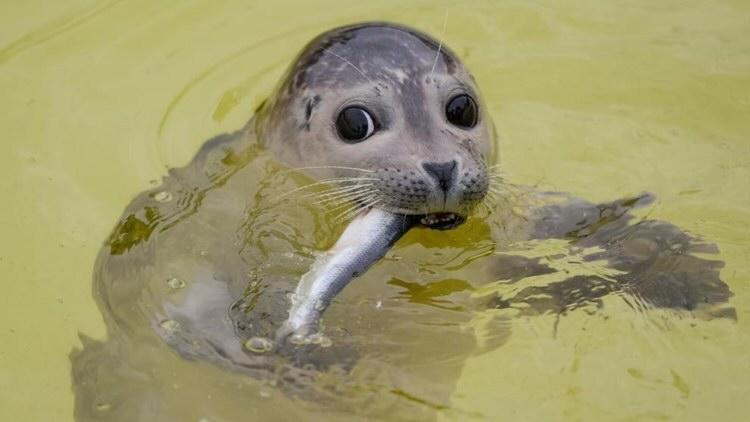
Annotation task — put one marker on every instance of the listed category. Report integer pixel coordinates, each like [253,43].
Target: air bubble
[320,339]
[163,196]
[259,345]
[103,407]
[170,325]
[176,283]
[298,339]
[326,342]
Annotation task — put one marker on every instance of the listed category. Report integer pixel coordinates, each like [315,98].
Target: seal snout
[443,173]
[440,193]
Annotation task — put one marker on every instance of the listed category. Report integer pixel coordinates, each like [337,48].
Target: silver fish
[367,238]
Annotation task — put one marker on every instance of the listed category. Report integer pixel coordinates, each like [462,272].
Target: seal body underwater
[383,118]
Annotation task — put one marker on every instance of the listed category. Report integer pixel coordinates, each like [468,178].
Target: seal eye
[462,111]
[355,124]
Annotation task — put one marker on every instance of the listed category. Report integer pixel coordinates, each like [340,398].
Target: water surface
[600,101]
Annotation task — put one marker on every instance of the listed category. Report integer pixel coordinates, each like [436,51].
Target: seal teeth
[439,220]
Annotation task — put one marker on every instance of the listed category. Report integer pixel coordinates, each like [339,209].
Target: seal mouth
[442,220]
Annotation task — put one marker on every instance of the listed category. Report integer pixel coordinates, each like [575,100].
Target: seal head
[389,112]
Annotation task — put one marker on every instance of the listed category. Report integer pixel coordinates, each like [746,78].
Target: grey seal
[395,120]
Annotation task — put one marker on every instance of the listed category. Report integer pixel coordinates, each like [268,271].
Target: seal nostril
[443,173]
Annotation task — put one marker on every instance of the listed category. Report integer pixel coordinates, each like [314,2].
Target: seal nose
[443,173]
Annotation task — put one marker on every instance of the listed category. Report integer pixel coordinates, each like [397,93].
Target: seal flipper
[654,259]
[576,218]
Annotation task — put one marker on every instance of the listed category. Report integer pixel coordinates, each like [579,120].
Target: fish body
[364,241]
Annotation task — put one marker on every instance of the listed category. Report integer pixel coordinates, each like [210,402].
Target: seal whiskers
[325,50]
[343,191]
[300,169]
[347,204]
[356,198]
[325,182]
[440,44]
[356,209]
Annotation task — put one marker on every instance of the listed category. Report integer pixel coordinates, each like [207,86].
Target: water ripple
[51,30]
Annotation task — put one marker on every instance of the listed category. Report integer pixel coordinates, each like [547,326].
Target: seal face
[389,113]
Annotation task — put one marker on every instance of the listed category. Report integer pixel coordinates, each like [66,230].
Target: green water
[599,100]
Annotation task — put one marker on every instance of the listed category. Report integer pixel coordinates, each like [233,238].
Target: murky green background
[600,99]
